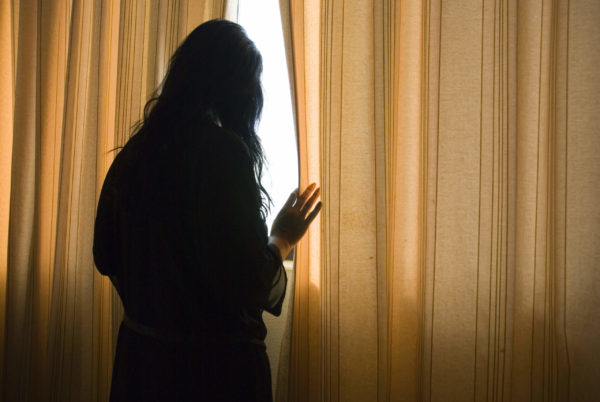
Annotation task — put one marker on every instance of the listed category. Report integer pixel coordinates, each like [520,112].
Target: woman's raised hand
[294,218]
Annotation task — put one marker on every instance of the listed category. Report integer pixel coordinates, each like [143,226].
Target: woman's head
[216,70]
[214,73]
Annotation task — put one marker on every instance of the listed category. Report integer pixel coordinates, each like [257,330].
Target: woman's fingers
[302,198]
[311,201]
[314,213]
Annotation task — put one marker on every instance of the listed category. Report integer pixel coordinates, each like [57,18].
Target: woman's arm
[251,271]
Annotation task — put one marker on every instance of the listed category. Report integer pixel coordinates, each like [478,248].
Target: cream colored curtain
[457,145]
[74,77]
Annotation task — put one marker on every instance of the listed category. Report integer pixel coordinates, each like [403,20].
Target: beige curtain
[457,145]
[74,76]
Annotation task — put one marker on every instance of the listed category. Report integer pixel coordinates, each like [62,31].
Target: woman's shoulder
[204,143]
[127,155]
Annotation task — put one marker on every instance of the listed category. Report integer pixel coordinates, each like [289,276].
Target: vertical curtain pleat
[305,373]
[531,280]
[579,281]
[19,283]
[6,139]
[403,158]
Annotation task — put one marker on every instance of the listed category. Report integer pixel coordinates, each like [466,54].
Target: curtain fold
[6,125]
[74,77]
[457,147]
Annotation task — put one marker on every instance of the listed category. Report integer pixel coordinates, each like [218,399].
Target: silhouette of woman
[180,229]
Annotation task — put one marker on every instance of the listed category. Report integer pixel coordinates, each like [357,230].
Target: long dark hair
[214,73]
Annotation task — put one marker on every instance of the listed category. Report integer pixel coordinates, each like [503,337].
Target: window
[262,21]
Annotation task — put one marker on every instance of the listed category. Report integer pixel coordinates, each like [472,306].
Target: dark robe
[179,231]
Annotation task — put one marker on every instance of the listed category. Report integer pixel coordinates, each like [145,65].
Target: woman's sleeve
[251,270]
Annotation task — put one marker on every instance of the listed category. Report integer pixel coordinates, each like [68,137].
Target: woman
[180,230]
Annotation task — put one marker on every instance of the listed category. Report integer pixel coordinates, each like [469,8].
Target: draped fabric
[457,145]
[74,77]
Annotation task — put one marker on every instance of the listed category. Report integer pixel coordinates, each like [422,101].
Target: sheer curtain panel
[457,145]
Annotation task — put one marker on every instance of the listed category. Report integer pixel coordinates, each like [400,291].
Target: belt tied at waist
[166,335]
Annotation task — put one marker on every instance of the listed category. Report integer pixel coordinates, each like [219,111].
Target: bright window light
[262,21]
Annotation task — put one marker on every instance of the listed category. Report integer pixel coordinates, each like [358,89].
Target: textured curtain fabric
[457,144]
[74,77]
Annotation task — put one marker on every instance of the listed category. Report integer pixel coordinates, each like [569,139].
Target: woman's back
[163,234]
